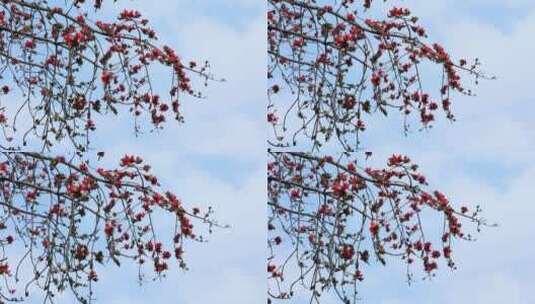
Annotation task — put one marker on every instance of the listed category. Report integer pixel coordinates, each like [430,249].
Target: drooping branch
[330,217]
[63,66]
[332,66]
[60,220]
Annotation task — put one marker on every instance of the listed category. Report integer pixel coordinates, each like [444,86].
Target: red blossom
[106,77]
[29,44]
[347,252]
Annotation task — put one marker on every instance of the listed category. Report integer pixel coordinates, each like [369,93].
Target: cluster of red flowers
[129,15]
[75,38]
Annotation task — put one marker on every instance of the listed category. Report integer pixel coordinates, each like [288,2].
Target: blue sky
[218,156]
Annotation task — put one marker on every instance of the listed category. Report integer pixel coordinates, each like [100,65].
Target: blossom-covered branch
[67,66]
[60,220]
[333,64]
[330,218]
